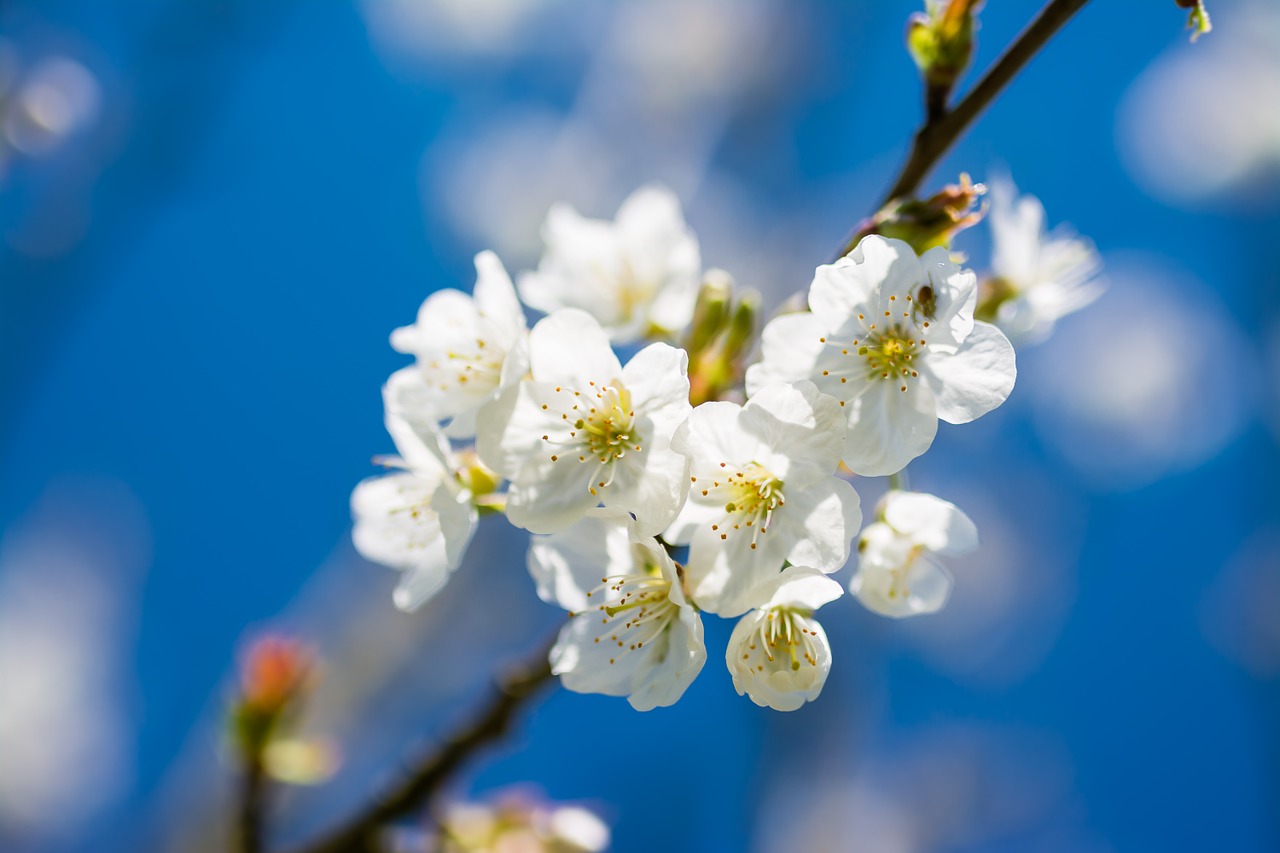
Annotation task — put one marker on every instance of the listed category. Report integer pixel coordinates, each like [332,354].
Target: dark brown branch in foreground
[253,795]
[936,136]
[491,722]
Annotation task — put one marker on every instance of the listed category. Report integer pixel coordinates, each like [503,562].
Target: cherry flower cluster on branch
[647,511]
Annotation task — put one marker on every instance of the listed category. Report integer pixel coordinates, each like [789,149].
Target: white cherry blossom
[892,337]
[1039,276]
[763,490]
[465,346]
[418,520]
[778,654]
[632,632]
[584,430]
[897,573]
[637,275]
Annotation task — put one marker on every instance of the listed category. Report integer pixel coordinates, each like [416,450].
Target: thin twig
[938,133]
[491,722]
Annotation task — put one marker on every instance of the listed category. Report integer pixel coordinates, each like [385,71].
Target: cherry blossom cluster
[647,511]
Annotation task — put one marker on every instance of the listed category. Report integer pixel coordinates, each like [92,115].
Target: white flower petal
[568,565]
[423,449]
[712,434]
[975,379]
[495,297]
[658,378]
[779,676]
[652,484]
[796,586]
[889,427]
[661,248]
[789,348]
[830,512]
[569,346]
[418,525]
[858,282]
[674,668]
[955,295]
[930,521]
[722,572]
[923,588]
[631,633]
[799,424]
[635,275]
[556,499]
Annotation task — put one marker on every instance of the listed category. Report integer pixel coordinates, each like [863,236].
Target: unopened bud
[711,310]
[941,41]
[926,223]
[275,674]
[1198,19]
[742,326]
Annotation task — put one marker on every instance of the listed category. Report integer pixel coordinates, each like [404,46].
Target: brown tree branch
[360,833]
[252,803]
[936,136]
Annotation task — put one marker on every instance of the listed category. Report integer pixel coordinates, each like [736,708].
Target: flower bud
[1198,19]
[941,41]
[711,310]
[742,326]
[927,223]
[275,674]
[717,367]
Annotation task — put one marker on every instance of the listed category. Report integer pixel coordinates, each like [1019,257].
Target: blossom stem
[941,129]
[253,795]
[360,834]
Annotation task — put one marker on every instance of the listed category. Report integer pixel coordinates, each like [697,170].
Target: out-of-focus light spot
[448,28]
[678,55]
[1241,613]
[1202,119]
[948,788]
[496,181]
[56,98]
[1137,388]
[68,574]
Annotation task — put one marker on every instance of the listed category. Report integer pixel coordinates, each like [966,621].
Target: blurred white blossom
[518,823]
[897,573]
[418,520]
[638,275]
[1038,277]
[1139,390]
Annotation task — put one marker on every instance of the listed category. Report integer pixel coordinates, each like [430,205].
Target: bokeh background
[213,212]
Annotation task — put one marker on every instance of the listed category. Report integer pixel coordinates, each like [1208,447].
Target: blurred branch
[253,793]
[491,722]
[939,132]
